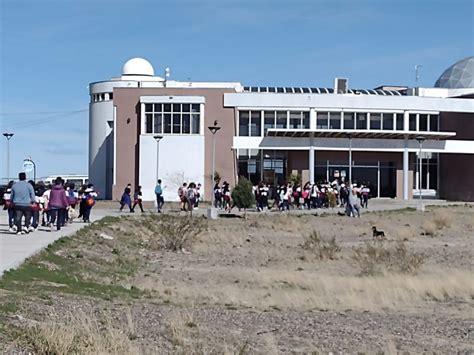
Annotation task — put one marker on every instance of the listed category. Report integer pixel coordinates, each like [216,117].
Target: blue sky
[51,50]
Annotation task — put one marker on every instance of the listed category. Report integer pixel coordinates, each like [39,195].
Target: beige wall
[127,103]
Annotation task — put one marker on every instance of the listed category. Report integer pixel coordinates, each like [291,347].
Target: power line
[39,113]
[41,120]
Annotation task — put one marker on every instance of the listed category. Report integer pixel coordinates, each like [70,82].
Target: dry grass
[79,333]
[377,259]
[429,228]
[442,219]
[325,248]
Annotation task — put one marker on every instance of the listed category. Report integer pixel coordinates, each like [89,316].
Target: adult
[217,196]
[57,204]
[354,206]
[159,196]
[22,196]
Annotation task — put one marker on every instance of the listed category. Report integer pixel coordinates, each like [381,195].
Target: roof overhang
[357,133]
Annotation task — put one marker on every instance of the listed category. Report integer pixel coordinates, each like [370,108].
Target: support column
[311,159]
[405,170]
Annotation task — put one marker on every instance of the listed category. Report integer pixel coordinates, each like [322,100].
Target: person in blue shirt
[159,196]
[22,197]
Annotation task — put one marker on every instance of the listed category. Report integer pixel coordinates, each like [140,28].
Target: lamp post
[420,140]
[349,135]
[157,139]
[213,130]
[8,136]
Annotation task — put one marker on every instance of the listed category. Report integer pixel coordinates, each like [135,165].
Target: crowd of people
[30,205]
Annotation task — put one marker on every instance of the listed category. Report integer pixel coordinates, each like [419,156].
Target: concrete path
[14,249]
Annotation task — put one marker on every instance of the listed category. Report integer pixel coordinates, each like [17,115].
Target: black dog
[377,234]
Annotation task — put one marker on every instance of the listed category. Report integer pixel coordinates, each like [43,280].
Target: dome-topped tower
[460,75]
[138,66]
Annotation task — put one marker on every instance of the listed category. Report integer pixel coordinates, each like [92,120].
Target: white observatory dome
[138,66]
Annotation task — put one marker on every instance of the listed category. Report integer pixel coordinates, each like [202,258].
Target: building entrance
[380,177]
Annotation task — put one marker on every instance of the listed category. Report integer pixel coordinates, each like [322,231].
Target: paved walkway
[15,249]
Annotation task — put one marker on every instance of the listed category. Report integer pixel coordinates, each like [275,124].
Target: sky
[50,50]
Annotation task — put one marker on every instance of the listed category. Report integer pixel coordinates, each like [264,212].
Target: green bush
[242,195]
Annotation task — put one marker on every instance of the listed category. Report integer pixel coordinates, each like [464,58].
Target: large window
[334,120]
[387,121]
[361,120]
[349,122]
[169,118]
[375,120]
[322,120]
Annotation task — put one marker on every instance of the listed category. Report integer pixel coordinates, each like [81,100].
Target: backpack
[190,193]
[71,198]
[158,190]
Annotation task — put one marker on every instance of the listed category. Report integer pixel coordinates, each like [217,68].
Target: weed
[441,220]
[429,228]
[376,259]
[325,248]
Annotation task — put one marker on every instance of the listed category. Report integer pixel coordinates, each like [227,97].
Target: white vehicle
[77,180]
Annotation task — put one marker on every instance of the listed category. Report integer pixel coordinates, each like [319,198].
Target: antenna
[417,74]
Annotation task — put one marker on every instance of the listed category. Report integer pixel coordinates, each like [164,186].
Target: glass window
[176,107]
[387,121]
[157,123]
[186,108]
[375,120]
[348,120]
[195,123]
[322,120]
[412,122]
[148,123]
[334,120]
[434,123]
[281,119]
[305,119]
[186,128]
[244,119]
[399,120]
[158,107]
[167,124]
[423,122]
[195,108]
[268,120]
[361,120]
[255,124]
[167,107]
[295,119]
[148,108]
[176,122]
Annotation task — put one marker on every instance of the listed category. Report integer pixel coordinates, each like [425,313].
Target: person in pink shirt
[57,203]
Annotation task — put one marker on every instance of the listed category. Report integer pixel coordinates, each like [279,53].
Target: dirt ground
[260,285]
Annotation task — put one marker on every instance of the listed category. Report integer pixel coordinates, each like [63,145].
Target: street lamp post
[157,138]
[8,136]
[213,130]
[420,140]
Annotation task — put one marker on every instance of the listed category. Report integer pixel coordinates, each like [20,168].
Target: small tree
[295,179]
[242,195]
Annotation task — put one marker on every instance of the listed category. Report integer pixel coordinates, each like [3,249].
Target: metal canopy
[357,133]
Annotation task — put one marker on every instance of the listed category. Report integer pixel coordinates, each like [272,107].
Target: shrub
[325,248]
[174,233]
[375,259]
[242,194]
[428,228]
[294,179]
[441,220]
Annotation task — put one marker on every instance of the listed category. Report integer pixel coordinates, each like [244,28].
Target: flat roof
[357,133]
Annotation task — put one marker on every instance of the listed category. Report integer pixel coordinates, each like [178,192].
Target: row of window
[105,96]
[250,122]
[173,118]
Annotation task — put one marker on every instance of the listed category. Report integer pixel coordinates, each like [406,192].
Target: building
[268,133]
